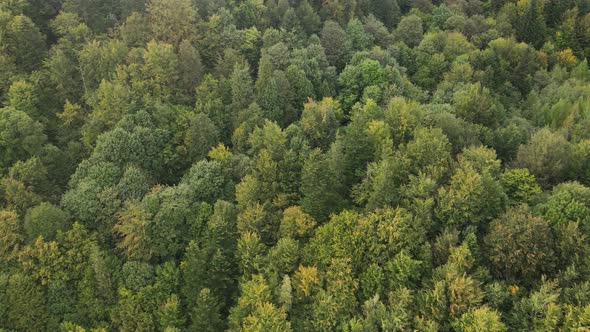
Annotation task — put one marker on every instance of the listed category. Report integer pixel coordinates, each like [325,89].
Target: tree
[111,101]
[168,231]
[335,43]
[470,199]
[206,181]
[409,30]
[45,220]
[142,146]
[540,310]
[210,262]
[359,40]
[581,162]
[320,191]
[519,246]
[22,36]
[201,136]
[383,182]
[301,86]
[568,202]
[10,233]
[519,184]
[320,121]
[266,317]
[22,96]
[547,156]
[134,183]
[480,319]
[296,223]
[98,62]
[434,56]
[267,90]
[253,293]
[334,305]
[310,21]
[160,71]
[190,68]
[429,153]
[475,103]
[33,174]
[135,31]
[26,304]
[294,165]
[357,78]
[172,21]
[20,137]
[531,25]
[205,315]
[208,101]
[242,92]
[132,227]
[96,14]
[388,12]
[341,10]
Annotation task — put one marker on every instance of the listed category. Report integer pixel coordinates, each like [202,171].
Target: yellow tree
[132,227]
[172,21]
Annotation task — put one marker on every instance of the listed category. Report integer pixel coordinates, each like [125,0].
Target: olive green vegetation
[294,165]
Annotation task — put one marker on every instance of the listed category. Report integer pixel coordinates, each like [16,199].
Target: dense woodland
[294,165]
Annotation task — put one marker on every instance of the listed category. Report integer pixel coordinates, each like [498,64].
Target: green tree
[205,315]
[310,20]
[190,68]
[111,101]
[98,62]
[568,202]
[267,91]
[209,102]
[520,246]
[547,156]
[96,14]
[359,40]
[21,37]
[388,12]
[172,21]
[135,31]
[531,25]
[208,182]
[335,43]
[266,317]
[470,199]
[357,78]
[26,304]
[341,10]
[410,30]
[242,92]
[475,103]
[519,184]
[202,134]
[20,137]
[160,71]
[321,194]
[45,220]
[23,96]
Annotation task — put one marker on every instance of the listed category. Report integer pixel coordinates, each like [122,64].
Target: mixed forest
[294,165]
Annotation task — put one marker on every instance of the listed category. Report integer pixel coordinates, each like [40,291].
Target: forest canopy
[294,165]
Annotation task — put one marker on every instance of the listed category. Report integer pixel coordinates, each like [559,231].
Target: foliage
[282,165]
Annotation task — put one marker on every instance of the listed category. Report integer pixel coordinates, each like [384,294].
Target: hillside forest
[294,165]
